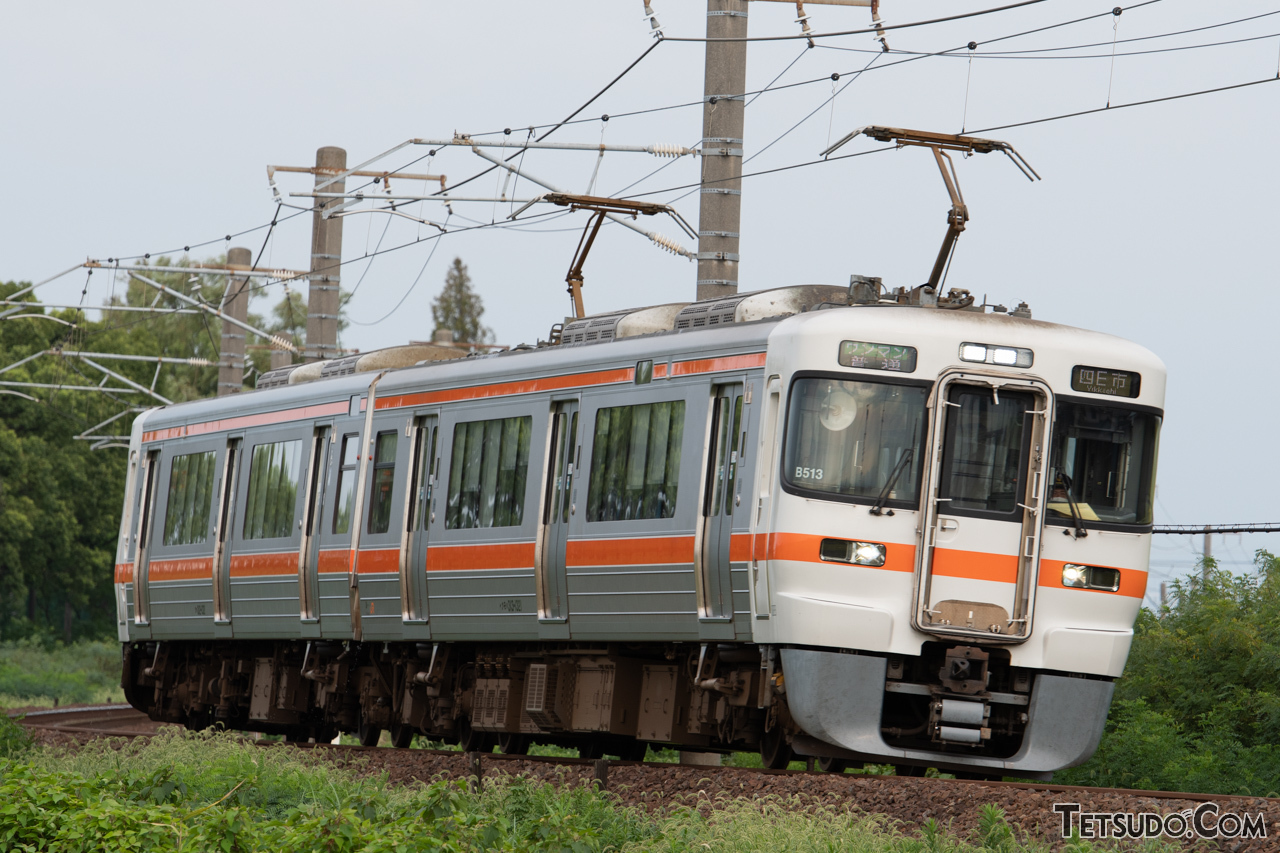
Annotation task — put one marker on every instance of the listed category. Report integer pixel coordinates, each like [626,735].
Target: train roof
[738,324]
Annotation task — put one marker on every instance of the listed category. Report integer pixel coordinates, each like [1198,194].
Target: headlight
[846,551]
[991,354]
[1090,577]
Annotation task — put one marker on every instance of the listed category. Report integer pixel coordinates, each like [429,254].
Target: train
[855,524]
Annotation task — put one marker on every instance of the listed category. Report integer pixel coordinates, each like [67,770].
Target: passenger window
[384,475]
[635,462]
[273,490]
[346,502]
[186,518]
[488,470]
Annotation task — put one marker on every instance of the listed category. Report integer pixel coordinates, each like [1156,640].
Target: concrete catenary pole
[326,260]
[1208,550]
[236,305]
[720,210]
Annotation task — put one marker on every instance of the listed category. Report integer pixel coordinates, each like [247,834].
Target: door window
[346,484]
[984,451]
[384,477]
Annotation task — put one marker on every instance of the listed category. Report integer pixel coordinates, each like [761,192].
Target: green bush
[32,672]
[184,791]
[14,740]
[1198,708]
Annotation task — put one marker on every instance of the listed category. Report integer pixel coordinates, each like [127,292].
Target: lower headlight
[868,553]
[1090,577]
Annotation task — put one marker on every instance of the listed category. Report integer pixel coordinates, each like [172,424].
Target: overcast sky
[142,127]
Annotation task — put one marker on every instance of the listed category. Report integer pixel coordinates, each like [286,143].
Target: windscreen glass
[855,439]
[1104,462]
[982,461]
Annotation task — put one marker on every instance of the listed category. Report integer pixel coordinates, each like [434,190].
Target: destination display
[869,356]
[1104,380]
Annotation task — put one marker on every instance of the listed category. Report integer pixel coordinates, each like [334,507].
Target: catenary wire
[412,287]
[1028,55]
[872,30]
[567,119]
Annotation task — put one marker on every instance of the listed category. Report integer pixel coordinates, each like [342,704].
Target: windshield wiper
[1080,532]
[878,508]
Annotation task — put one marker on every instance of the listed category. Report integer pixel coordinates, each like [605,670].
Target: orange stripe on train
[449,395]
[244,421]
[975,565]
[649,550]
[448,558]
[249,565]
[715,365]
[803,547]
[198,568]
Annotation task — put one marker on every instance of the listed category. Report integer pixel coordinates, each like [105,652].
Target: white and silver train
[863,526]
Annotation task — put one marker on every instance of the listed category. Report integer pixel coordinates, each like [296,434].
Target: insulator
[667,243]
[668,150]
[199,362]
[277,342]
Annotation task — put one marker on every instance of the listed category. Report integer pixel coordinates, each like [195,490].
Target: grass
[35,673]
[218,791]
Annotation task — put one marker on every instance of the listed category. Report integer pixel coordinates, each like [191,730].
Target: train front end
[952,542]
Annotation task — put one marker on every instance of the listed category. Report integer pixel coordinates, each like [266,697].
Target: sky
[144,127]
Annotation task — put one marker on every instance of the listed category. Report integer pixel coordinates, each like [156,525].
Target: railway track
[909,801]
[125,721]
[96,720]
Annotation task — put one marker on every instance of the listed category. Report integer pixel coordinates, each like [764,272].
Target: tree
[458,308]
[1198,708]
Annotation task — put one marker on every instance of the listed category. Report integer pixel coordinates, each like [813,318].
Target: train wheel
[775,752]
[827,764]
[369,734]
[471,740]
[401,735]
[513,743]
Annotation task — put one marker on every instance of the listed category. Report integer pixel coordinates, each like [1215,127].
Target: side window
[635,462]
[346,484]
[488,470]
[186,517]
[384,476]
[273,490]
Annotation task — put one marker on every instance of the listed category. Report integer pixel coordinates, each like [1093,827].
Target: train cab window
[186,517]
[346,484]
[1104,464]
[273,490]
[488,471]
[853,439]
[635,462]
[384,475]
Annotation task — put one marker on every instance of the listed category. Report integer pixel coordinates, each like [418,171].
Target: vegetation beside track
[1198,708]
[218,791]
[35,673]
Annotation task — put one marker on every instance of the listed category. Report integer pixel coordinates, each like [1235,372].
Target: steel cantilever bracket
[940,144]
[602,207]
